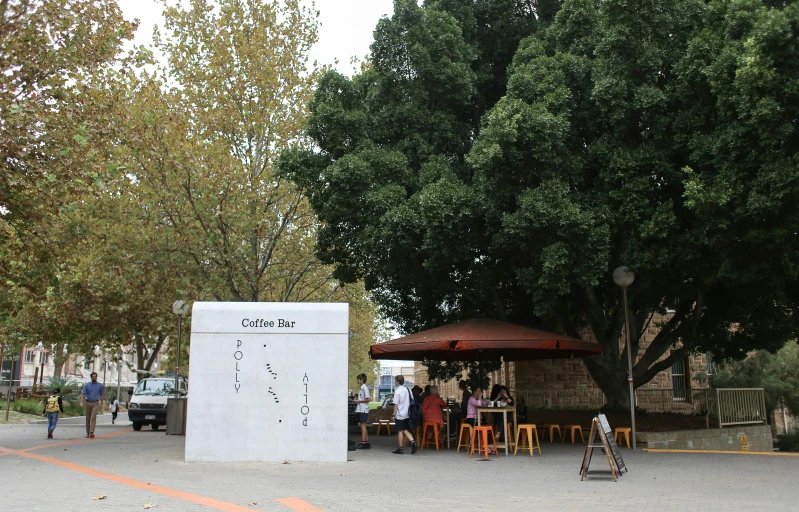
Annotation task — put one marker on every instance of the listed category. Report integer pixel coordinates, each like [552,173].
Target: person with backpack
[404,408]
[114,407]
[52,405]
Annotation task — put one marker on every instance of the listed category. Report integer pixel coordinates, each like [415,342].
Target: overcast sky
[346,26]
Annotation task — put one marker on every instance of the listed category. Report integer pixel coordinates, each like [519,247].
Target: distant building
[387,373]
[35,365]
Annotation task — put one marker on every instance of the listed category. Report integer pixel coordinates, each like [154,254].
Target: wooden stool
[383,423]
[552,429]
[434,427]
[482,433]
[531,436]
[469,431]
[573,429]
[622,431]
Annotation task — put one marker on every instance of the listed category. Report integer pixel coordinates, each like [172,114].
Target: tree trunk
[59,358]
[611,378]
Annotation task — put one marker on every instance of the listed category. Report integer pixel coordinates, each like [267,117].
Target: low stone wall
[725,439]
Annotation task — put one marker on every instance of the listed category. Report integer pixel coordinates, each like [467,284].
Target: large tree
[662,137]
[51,112]
[200,136]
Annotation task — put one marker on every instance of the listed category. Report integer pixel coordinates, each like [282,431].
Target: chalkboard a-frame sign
[601,428]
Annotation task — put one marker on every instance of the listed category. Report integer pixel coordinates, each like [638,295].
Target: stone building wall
[722,439]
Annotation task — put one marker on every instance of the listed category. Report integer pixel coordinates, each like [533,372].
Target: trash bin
[176,416]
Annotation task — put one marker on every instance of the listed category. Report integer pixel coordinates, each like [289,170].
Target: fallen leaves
[286,462]
[149,505]
[100,497]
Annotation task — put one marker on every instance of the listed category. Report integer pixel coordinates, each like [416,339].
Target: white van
[148,403]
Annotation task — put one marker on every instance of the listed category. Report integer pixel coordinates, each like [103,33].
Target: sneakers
[398,451]
[364,446]
[414,447]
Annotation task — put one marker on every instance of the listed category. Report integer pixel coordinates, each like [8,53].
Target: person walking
[93,395]
[114,410]
[402,403]
[52,405]
[362,409]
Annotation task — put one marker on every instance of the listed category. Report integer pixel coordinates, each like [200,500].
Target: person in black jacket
[455,418]
[52,405]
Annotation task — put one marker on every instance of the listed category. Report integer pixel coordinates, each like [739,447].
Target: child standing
[362,409]
[114,410]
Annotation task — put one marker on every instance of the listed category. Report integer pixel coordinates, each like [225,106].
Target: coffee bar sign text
[261,322]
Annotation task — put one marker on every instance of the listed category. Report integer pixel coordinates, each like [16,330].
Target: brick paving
[378,480]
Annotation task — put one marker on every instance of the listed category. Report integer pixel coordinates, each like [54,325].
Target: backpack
[52,404]
[414,412]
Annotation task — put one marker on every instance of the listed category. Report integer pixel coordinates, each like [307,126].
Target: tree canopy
[125,186]
[777,373]
[663,138]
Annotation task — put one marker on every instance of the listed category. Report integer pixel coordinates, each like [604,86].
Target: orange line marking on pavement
[172,493]
[298,505]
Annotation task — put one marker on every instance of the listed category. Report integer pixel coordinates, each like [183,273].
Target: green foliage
[73,409]
[476,372]
[28,406]
[70,389]
[789,442]
[662,137]
[777,373]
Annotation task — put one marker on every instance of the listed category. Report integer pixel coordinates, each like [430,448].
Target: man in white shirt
[362,410]
[402,401]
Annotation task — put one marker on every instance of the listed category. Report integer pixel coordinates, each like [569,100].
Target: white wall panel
[268,382]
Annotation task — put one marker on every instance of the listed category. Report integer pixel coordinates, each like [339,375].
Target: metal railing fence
[741,406]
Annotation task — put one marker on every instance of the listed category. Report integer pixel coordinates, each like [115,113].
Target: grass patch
[28,406]
[16,418]
[374,405]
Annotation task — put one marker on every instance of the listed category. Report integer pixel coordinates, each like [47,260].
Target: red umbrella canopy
[483,339]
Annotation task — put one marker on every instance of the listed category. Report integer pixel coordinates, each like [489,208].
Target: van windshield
[155,387]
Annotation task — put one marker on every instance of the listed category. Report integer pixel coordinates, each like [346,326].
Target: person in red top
[431,407]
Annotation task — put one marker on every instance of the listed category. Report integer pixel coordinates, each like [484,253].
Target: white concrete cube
[268,382]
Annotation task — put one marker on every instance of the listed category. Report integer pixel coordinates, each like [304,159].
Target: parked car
[148,403]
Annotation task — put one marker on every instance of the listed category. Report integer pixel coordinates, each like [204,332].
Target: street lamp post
[180,308]
[105,365]
[623,278]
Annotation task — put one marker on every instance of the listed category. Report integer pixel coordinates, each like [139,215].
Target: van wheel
[155,426]
[137,426]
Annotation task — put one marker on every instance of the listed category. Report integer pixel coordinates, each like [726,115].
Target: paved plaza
[134,469]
